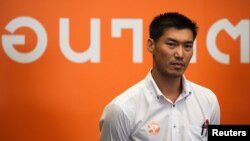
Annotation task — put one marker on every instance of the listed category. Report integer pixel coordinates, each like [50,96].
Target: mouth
[177,65]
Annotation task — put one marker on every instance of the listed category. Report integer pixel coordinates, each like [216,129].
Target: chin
[177,75]
[170,72]
[173,74]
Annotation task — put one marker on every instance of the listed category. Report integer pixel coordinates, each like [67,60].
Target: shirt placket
[175,124]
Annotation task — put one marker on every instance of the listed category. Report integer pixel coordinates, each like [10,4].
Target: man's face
[172,52]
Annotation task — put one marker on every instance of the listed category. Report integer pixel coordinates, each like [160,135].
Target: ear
[150,45]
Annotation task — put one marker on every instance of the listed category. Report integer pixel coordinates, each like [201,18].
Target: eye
[171,44]
[188,46]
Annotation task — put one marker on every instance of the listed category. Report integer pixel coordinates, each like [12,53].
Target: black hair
[165,21]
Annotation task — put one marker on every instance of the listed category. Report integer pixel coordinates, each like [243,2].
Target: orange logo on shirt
[153,128]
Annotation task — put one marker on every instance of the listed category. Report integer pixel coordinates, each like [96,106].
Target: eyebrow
[174,40]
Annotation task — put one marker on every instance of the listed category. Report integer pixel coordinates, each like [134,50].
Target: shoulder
[125,103]
[203,93]
[129,96]
[120,112]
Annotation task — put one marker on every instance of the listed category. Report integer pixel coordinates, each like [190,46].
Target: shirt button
[174,126]
[173,105]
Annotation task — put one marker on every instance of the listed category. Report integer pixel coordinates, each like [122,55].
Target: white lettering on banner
[241,29]
[136,25]
[8,41]
[93,52]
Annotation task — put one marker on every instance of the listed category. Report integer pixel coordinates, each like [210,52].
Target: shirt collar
[151,85]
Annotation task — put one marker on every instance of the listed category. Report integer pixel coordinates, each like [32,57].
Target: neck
[170,86]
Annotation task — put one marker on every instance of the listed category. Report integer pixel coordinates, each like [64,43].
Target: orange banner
[62,61]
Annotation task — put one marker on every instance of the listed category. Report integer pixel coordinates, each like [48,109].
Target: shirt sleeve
[114,124]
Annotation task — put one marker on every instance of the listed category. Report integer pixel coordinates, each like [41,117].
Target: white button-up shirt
[143,113]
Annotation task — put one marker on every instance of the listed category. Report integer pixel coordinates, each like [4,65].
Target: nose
[179,52]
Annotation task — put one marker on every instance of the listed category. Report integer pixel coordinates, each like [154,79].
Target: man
[165,106]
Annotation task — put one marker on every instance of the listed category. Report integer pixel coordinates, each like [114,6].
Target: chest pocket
[195,134]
